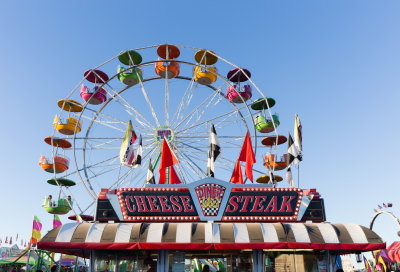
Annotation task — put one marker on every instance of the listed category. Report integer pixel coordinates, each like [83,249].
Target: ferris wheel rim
[144,80]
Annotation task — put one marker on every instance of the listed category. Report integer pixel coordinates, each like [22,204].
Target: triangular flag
[168,158]
[298,137]
[367,265]
[56,221]
[213,152]
[237,176]
[138,159]
[294,156]
[381,261]
[126,153]
[150,175]
[247,155]
[173,177]
[289,177]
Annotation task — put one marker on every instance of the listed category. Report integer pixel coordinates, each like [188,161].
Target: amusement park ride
[229,106]
[171,97]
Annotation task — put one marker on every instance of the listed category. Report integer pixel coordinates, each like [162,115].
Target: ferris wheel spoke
[200,173]
[106,116]
[93,165]
[137,178]
[120,180]
[128,108]
[101,122]
[104,143]
[232,163]
[146,97]
[185,100]
[205,122]
[182,173]
[200,114]
[196,174]
[190,115]
[166,101]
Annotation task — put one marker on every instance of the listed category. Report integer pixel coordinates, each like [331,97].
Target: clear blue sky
[336,63]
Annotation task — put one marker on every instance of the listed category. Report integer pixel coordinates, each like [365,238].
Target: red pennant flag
[173,177]
[237,176]
[247,155]
[168,158]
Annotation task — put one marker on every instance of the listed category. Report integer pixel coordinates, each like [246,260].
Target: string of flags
[36,233]
[384,205]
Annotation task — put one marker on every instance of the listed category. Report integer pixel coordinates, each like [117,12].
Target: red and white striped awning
[76,236]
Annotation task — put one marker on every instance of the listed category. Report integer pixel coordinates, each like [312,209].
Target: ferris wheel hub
[164,131]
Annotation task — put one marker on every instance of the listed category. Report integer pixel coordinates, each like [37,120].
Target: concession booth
[211,225]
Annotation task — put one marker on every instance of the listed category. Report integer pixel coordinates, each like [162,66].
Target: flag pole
[298,175]
[156,162]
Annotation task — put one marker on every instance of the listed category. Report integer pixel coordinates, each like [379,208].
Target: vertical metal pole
[298,176]
[92,260]
[27,261]
[156,162]
[258,260]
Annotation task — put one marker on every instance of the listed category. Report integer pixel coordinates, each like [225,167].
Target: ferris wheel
[160,92]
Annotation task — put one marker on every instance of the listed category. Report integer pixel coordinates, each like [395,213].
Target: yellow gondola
[68,127]
[205,75]
[70,105]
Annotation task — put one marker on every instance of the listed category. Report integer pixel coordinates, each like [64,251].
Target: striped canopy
[78,236]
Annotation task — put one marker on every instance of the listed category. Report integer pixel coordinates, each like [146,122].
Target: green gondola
[130,77]
[264,125]
[130,57]
[61,182]
[261,104]
[62,206]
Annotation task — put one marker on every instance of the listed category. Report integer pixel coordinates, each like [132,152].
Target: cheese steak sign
[209,200]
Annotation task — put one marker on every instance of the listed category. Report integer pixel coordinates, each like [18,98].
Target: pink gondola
[238,95]
[95,97]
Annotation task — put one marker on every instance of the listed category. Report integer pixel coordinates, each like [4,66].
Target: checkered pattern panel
[210,206]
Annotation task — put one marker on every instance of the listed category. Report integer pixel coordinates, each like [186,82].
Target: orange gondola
[271,162]
[167,69]
[57,164]
[168,51]
[57,142]
[273,140]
